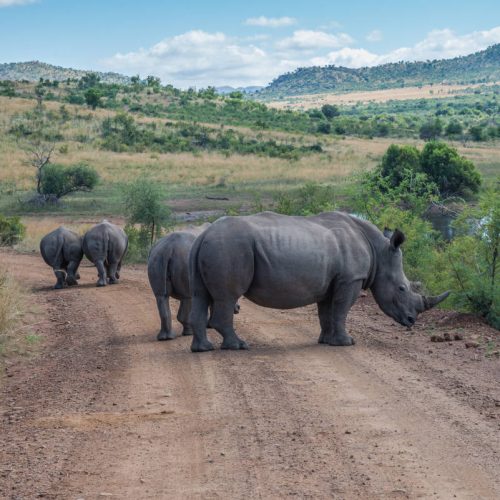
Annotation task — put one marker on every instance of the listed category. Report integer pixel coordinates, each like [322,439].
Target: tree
[59,181]
[452,173]
[330,111]
[144,206]
[93,97]
[397,160]
[454,128]
[431,130]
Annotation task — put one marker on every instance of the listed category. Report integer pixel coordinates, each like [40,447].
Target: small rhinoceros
[284,262]
[105,246]
[62,250]
[168,273]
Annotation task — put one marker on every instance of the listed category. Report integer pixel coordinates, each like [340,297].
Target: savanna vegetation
[145,152]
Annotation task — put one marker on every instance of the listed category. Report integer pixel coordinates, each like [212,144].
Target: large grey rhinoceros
[285,262]
[105,246]
[62,250]
[168,264]
[168,273]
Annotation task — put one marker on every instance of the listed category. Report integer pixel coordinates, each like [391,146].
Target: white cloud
[374,36]
[9,3]
[270,22]
[198,58]
[314,40]
[349,57]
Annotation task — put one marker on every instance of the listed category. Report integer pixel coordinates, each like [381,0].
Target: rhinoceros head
[395,294]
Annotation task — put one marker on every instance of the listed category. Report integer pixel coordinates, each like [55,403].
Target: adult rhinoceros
[284,262]
[168,273]
[62,251]
[105,246]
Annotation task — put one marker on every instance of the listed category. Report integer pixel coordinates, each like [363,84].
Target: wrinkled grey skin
[168,273]
[62,251]
[105,246]
[169,277]
[285,262]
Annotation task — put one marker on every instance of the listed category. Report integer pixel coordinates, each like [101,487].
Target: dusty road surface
[104,410]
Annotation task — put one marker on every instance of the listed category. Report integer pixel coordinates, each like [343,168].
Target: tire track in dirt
[127,416]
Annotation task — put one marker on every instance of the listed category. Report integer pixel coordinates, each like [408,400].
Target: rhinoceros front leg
[342,301]
[183,316]
[166,332]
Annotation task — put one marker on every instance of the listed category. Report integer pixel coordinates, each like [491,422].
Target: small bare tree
[39,153]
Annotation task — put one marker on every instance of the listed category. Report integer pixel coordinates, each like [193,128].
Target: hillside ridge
[479,67]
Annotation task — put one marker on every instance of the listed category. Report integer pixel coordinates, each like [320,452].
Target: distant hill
[34,70]
[226,89]
[483,66]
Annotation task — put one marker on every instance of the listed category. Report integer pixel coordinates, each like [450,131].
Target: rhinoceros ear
[397,239]
[387,233]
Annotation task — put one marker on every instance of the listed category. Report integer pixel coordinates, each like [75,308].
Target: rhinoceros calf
[284,262]
[168,273]
[62,250]
[105,246]
[168,276]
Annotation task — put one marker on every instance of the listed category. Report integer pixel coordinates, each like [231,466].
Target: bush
[453,174]
[431,130]
[10,306]
[58,180]
[473,260]
[12,230]
[145,206]
[310,199]
[398,159]
[330,110]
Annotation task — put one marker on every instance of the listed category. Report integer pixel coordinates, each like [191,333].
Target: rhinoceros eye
[402,288]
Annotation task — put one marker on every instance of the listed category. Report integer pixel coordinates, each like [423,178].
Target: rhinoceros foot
[201,346]
[113,281]
[164,335]
[340,340]
[58,286]
[234,344]
[101,283]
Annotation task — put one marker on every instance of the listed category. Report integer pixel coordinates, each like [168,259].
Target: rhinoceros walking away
[62,250]
[284,262]
[105,246]
[168,273]
[169,277]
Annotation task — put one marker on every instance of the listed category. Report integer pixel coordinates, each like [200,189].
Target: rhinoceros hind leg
[165,335]
[101,272]
[201,345]
[222,321]
[183,316]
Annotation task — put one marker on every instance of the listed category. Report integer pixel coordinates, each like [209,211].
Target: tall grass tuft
[10,307]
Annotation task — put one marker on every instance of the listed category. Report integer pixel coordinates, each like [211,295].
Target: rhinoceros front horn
[430,302]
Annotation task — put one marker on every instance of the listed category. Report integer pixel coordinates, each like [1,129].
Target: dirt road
[105,410]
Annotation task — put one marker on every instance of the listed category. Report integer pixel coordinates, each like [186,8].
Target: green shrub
[397,160]
[473,259]
[12,230]
[453,174]
[59,180]
[310,199]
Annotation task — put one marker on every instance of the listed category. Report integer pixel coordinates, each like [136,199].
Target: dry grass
[10,309]
[437,91]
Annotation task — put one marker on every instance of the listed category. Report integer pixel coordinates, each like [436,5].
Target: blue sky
[200,43]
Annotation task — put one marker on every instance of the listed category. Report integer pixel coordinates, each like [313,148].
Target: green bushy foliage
[12,230]
[59,180]
[396,161]
[453,174]
[144,204]
[473,259]
[310,199]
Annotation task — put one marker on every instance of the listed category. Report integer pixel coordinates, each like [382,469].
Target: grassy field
[188,178]
[437,91]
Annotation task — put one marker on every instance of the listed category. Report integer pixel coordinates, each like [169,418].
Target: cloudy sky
[220,42]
